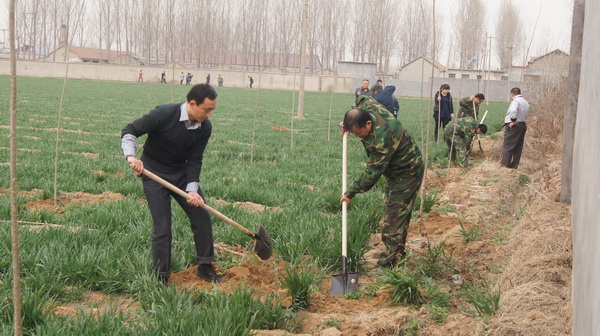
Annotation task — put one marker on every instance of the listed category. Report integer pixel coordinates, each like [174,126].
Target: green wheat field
[251,157]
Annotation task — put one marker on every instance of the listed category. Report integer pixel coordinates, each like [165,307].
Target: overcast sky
[553,29]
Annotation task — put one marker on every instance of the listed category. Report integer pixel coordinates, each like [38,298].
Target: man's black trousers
[159,202]
[514,137]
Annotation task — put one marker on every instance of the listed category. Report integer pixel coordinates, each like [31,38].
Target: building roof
[553,52]
[97,54]
[437,64]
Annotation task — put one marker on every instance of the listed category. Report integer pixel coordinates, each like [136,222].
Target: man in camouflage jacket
[466,106]
[393,154]
[458,135]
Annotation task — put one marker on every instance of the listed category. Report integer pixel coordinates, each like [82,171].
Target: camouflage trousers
[460,150]
[400,195]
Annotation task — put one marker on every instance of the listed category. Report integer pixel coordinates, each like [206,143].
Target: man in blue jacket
[177,136]
[386,98]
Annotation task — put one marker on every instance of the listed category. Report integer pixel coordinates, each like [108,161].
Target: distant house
[476,74]
[421,66]
[93,55]
[554,63]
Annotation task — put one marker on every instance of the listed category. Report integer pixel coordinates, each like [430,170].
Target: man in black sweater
[177,136]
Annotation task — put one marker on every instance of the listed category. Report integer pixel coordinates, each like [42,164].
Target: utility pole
[489,62]
[302,61]
[508,77]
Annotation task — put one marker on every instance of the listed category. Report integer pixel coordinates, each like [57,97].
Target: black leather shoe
[207,273]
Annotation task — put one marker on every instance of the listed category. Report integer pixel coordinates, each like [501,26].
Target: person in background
[514,129]
[181,78]
[443,111]
[208,79]
[391,153]
[220,80]
[177,135]
[251,81]
[380,83]
[386,98]
[363,89]
[459,135]
[466,106]
[163,78]
[141,76]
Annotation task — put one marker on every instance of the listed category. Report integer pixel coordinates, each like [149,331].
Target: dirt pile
[71,198]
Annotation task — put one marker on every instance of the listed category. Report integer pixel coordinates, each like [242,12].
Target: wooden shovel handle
[204,206]
[344,186]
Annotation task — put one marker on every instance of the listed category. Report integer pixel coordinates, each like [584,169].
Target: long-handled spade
[345,282]
[481,122]
[263,245]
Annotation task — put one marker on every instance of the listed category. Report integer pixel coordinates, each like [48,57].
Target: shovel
[263,245]
[345,282]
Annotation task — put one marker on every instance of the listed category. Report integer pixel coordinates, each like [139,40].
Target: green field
[299,172]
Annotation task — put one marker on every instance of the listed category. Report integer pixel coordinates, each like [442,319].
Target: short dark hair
[480,96]
[445,87]
[483,128]
[199,92]
[376,87]
[515,91]
[356,117]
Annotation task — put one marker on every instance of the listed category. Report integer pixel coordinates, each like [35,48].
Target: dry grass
[544,124]
[536,283]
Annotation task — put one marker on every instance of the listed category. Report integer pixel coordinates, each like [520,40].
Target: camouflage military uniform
[393,154]
[465,131]
[466,108]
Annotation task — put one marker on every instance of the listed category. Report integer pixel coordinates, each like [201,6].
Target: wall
[498,90]
[586,184]
[232,78]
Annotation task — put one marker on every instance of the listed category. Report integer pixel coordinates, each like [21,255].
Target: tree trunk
[14,204]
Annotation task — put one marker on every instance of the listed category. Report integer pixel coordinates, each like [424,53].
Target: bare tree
[509,34]
[469,31]
[415,31]
[264,32]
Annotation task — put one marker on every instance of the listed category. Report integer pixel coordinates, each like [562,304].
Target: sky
[553,30]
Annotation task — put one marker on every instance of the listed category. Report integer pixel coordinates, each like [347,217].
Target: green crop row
[252,157]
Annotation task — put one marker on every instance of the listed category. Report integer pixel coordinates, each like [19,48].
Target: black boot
[206,272]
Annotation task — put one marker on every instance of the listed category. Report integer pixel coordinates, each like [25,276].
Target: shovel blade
[263,245]
[344,283]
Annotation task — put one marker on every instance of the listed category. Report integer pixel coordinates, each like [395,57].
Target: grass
[470,235]
[110,252]
[301,284]
[524,179]
[430,200]
[405,287]
[484,300]
[435,262]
